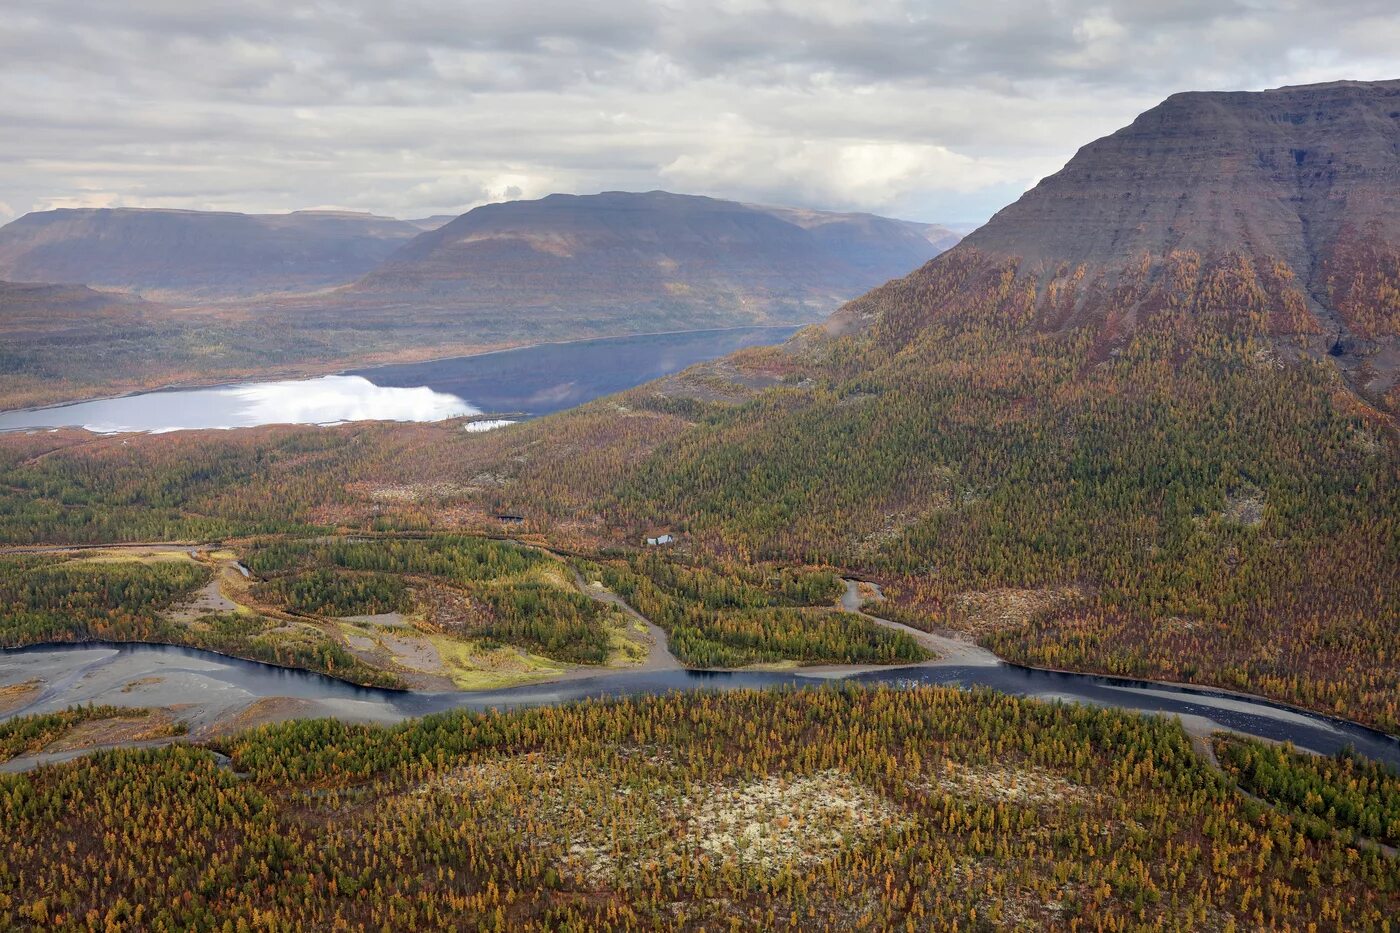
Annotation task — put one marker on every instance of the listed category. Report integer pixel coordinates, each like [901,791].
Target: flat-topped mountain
[1285,173]
[202,254]
[1282,203]
[678,255]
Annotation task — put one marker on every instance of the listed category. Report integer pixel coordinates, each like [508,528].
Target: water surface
[327,400]
[215,686]
[515,384]
[550,377]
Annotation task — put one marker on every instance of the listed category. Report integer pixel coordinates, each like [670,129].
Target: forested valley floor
[832,809]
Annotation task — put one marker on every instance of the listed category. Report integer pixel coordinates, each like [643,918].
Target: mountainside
[1289,197]
[676,256]
[1143,421]
[199,254]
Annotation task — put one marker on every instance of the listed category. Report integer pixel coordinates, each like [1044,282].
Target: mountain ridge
[167,252]
[1293,194]
[651,249]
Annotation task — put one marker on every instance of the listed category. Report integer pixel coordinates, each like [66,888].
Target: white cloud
[858,175]
[936,110]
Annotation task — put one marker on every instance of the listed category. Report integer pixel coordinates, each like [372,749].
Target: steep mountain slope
[678,259]
[203,254]
[1142,421]
[1295,193]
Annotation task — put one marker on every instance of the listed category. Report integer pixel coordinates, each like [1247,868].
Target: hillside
[1161,445]
[1141,422]
[1293,194]
[675,260]
[239,296]
[197,254]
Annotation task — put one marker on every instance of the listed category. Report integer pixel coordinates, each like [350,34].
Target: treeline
[470,587]
[973,811]
[453,558]
[246,635]
[23,735]
[1345,791]
[715,618]
[1230,518]
[551,621]
[1231,512]
[325,592]
[47,598]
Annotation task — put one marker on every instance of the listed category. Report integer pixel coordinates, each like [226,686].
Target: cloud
[938,111]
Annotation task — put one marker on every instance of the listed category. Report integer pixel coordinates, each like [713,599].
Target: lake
[515,384]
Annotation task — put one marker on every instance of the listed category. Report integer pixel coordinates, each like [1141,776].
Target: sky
[934,111]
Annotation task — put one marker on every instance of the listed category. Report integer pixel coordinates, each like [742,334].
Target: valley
[518,383]
[196,298]
[775,569]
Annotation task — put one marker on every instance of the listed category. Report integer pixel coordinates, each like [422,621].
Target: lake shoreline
[353,368]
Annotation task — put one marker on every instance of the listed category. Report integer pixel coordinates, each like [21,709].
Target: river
[211,687]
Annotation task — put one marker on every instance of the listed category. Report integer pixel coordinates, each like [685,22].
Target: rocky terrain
[1290,197]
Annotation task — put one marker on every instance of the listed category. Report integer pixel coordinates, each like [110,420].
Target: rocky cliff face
[674,253]
[1284,203]
[199,254]
[1282,173]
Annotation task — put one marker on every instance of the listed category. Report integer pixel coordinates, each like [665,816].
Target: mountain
[1292,195]
[53,337]
[433,222]
[202,254]
[1143,421]
[20,301]
[238,295]
[679,260]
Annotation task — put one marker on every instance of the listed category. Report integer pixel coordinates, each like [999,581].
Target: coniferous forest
[687,620]
[828,809]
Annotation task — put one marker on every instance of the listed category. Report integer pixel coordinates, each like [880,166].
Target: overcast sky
[926,110]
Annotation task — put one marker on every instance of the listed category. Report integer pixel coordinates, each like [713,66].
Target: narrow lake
[516,384]
[214,686]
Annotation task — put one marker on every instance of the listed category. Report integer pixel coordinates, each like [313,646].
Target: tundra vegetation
[832,809]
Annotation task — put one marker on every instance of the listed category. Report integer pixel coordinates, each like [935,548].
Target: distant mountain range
[608,251]
[198,254]
[690,260]
[229,295]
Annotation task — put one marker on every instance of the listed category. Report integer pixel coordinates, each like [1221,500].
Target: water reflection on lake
[515,384]
[327,400]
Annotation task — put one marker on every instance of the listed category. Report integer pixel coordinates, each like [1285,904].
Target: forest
[1346,792]
[56,598]
[1177,500]
[740,615]
[822,809]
